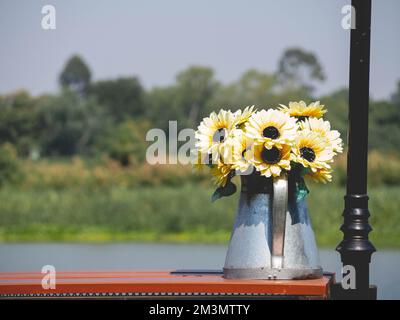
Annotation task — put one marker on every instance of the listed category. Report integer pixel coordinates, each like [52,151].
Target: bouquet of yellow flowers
[294,139]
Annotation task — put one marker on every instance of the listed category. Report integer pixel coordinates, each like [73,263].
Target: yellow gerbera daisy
[303,111]
[213,131]
[270,160]
[271,128]
[321,175]
[242,117]
[221,173]
[323,128]
[237,151]
[312,151]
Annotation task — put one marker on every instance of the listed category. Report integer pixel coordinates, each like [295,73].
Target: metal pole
[355,248]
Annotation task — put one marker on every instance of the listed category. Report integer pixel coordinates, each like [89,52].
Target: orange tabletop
[155,284]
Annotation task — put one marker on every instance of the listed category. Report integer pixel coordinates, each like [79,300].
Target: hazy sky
[154,39]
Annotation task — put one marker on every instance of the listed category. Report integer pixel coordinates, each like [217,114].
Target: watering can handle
[279,209]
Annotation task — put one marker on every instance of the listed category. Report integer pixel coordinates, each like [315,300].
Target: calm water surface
[385,269]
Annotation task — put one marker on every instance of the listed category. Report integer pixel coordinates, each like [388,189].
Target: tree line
[111,116]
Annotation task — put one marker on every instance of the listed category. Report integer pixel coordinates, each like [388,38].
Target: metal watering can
[272,237]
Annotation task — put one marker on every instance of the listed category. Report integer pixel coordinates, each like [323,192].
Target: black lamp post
[355,248]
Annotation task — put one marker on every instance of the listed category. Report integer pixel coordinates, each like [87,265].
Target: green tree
[70,124]
[163,106]
[396,97]
[338,109]
[187,101]
[76,75]
[9,165]
[196,87]
[125,143]
[122,98]
[19,121]
[299,69]
[253,87]
[384,131]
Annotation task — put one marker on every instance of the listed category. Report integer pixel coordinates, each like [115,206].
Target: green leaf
[226,191]
[304,171]
[301,190]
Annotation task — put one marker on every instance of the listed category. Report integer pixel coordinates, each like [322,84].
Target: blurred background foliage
[72,164]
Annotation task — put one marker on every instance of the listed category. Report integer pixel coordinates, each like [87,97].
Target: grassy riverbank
[169,214]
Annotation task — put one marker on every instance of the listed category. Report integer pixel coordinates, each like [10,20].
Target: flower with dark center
[308,154]
[220,135]
[271,132]
[271,156]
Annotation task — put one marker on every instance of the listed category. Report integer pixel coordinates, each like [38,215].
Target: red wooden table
[157,284]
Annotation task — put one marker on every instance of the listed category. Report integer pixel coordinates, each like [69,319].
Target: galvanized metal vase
[272,237]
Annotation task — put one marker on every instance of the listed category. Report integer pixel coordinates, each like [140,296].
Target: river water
[385,267]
